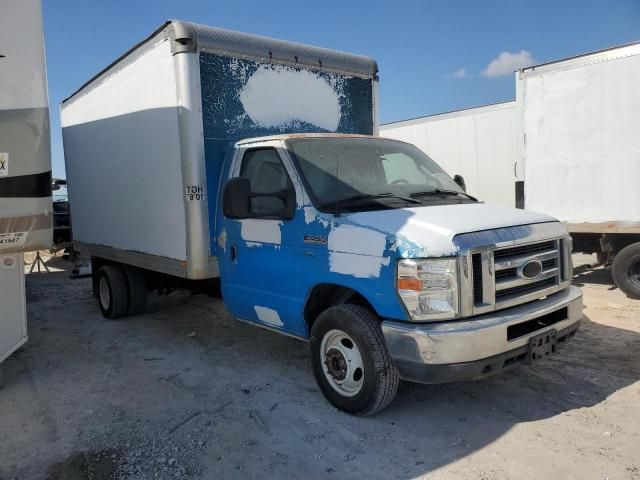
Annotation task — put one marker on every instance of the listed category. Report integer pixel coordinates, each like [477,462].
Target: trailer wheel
[137,291]
[112,292]
[626,270]
[350,360]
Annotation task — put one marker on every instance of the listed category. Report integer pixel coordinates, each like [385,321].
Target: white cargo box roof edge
[490,107]
[190,37]
[606,54]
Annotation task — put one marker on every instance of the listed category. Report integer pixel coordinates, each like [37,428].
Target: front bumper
[478,347]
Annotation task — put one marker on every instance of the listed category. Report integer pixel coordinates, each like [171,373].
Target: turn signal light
[409,284]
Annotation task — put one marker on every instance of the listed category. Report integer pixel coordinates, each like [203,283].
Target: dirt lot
[185,390]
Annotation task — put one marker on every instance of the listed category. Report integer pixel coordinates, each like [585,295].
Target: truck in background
[209,154]
[25,161]
[580,153]
[568,147]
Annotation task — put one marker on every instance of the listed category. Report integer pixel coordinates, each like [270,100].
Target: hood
[429,230]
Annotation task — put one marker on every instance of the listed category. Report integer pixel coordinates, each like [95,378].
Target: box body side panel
[581,147]
[123,157]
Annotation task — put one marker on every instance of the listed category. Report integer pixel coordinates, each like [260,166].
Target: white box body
[580,143]
[122,151]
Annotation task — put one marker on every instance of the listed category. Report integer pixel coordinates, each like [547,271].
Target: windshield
[339,169]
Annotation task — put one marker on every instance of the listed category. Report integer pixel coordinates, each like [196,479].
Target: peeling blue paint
[405,248]
[277,276]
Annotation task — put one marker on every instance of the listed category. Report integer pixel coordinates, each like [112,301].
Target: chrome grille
[497,279]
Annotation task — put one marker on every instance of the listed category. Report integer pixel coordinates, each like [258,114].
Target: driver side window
[267,175]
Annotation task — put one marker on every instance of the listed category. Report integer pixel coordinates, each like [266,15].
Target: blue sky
[434,56]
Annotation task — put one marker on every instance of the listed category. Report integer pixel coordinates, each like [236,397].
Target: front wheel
[350,360]
[626,270]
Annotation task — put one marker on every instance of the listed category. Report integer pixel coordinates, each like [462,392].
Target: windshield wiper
[366,196]
[441,191]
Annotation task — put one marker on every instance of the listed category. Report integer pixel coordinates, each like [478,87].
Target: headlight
[429,288]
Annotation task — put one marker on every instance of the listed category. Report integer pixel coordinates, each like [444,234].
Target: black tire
[114,305]
[626,270]
[381,379]
[137,291]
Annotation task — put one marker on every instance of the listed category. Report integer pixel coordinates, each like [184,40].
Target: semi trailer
[566,146]
[580,153]
[25,161]
[206,154]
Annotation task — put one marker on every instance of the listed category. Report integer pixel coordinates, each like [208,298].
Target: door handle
[233,253]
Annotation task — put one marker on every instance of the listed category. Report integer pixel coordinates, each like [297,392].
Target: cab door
[259,255]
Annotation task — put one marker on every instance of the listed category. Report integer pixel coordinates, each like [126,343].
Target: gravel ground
[185,391]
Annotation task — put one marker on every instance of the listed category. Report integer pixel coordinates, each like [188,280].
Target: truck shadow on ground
[585,274]
[187,370]
[461,418]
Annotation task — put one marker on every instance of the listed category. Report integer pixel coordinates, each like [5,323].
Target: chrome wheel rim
[105,295]
[342,363]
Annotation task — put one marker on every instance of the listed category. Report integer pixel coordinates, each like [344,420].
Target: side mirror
[460,182]
[239,202]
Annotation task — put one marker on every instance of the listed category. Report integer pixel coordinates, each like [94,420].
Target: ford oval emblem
[530,270]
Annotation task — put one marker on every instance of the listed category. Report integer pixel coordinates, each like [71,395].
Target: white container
[478,143]
[25,153]
[580,144]
[26,215]
[13,314]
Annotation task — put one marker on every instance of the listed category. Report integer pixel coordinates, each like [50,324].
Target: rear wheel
[626,270]
[350,360]
[112,292]
[136,291]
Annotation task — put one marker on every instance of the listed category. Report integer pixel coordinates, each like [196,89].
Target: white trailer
[480,144]
[580,152]
[25,160]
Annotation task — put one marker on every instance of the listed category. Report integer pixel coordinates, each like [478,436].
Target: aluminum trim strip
[510,236]
[170,266]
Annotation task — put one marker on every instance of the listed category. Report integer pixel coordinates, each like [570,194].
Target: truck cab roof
[289,136]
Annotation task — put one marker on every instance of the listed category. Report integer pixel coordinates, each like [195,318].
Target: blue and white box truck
[204,153]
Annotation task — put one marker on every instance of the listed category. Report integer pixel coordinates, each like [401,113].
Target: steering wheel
[399,181]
